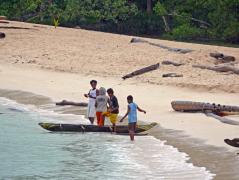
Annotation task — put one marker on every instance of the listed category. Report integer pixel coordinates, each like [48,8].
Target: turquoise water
[29,152]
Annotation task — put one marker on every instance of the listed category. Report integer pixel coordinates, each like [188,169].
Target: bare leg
[131,130]
[114,127]
[131,134]
[103,120]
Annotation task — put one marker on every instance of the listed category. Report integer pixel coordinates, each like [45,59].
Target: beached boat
[190,106]
[121,129]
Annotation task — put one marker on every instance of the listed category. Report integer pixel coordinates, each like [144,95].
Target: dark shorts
[132,126]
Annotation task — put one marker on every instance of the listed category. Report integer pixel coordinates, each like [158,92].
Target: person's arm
[96,104]
[121,120]
[87,95]
[108,101]
[141,110]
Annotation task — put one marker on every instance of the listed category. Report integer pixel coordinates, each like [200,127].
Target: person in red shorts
[101,106]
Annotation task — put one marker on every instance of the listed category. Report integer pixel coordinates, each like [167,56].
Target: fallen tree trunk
[190,106]
[65,102]
[172,63]
[222,57]
[3,18]
[221,68]
[223,119]
[178,50]
[4,22]
[141,71]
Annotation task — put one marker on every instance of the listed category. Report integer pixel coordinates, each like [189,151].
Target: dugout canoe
[190,106]
[121,129]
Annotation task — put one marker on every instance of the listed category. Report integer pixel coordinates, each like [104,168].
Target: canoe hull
[92,128]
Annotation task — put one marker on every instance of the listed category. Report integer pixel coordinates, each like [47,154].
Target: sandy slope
[104,54]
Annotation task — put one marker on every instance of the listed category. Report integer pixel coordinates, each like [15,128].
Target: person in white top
[92,97]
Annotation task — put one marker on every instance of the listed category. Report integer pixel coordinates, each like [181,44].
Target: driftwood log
[65,102]
[178,50]
[222,57]
[222,119]
[2,35]
[3,17]
[190,106]
[172,63]
[142,71]
[4,22]
[172,75]
[219,68]
[211,110]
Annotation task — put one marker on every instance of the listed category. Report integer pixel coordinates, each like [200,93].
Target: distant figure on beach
[132,116]
[92,97]
[101,106]
[113,110]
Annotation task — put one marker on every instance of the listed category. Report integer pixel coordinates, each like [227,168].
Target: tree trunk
[167,29]
[149,6]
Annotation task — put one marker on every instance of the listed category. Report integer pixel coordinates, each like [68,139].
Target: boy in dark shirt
[113,110]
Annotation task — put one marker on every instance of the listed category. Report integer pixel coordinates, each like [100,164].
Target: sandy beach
[59,63]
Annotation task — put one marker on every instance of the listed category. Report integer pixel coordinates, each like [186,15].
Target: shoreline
[217,160]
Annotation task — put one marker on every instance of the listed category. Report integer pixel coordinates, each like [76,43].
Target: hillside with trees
[184,20]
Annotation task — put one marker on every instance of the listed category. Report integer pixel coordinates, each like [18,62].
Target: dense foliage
[201,20]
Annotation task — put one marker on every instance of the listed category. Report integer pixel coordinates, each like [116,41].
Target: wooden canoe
[121,129]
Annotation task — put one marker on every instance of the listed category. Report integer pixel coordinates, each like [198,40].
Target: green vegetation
[185,20]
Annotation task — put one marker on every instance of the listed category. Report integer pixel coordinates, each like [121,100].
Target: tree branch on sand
[141,71]
[178,50]
[219,68]
[222,119]
[171,63]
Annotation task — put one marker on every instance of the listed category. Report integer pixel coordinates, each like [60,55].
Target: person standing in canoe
[132,116]
[113,110]
[101,106]
[91,104]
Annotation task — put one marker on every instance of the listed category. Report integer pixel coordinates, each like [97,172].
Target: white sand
[106,57]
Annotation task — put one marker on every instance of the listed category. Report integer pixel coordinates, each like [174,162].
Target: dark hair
[110,91]
[130,98]
[93,81]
